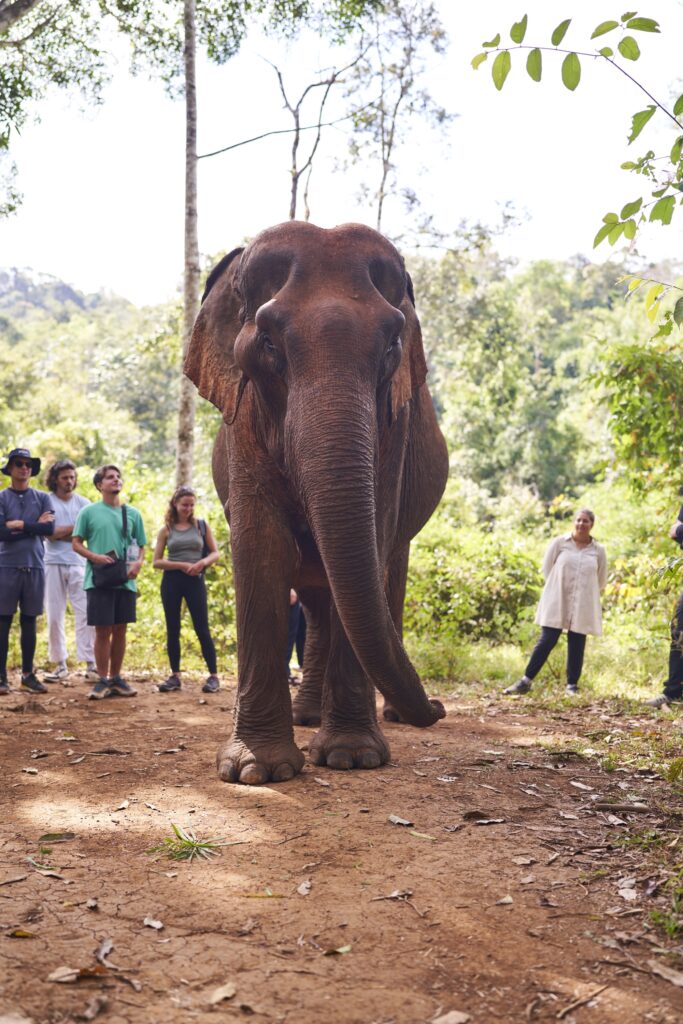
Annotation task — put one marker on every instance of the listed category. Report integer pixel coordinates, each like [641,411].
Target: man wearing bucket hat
[26,516]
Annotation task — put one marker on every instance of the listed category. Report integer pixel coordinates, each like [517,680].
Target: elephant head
[308,343]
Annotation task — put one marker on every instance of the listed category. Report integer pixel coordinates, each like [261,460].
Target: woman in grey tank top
[185,548]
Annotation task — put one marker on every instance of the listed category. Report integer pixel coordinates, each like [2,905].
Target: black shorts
[21,588]
[110,607]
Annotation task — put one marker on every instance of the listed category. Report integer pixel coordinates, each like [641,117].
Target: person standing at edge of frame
[100,526]
[673,686]
[64,574]
[191,548]
[575,570]
[26,516]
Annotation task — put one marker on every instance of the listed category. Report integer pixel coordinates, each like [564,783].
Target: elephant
[329,460]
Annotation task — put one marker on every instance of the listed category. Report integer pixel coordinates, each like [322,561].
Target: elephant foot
[390,714]
[306,710]
[345,750]
[254,764]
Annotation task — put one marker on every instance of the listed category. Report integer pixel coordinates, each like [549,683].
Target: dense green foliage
[541,381]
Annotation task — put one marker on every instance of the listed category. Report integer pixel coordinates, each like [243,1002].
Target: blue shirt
[23,549]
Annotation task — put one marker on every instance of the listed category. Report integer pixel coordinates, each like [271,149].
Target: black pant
[576,645]
[673,687]
[176,585]
[27,625]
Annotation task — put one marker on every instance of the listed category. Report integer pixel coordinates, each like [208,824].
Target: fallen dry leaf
[15,878]
[30,771]
[339,951]
[96,1005]
[668,973]
[423,835]
[57,837]
[396,820]
[321,782]
[452,1017]
[304,888]
[21,933]
[150,922]
[527,880]
[122,806]
[523,861]
[226,991]
[489,821]
[504,902]
[581,785]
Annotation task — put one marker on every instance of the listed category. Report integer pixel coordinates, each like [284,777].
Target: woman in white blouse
[575,570]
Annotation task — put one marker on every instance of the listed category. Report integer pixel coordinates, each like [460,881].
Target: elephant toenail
[253,775]
[341,760]
[227,772]
[283,773]
[369,759]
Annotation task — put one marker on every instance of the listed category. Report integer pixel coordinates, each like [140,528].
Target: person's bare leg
[118,649]
[103,644]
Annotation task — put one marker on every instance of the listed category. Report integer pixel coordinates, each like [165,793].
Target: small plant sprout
[185,845]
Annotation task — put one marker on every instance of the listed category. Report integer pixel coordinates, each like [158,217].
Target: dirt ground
[324,909]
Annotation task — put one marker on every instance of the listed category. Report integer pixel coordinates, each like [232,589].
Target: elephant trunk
[332,452]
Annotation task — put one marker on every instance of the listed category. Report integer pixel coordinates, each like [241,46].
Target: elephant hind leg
[307,702]
[397,575]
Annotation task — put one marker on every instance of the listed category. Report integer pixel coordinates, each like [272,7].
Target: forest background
[550,389]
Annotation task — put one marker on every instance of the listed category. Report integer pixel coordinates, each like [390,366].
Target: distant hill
[25,291]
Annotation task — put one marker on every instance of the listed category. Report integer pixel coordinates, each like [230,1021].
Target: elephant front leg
[397,576]
[349,736]
[306,707]
[261,748]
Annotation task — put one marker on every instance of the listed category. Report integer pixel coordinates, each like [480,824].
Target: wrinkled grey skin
[330,459]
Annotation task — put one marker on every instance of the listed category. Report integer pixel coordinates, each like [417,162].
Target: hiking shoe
[61,672]
[91,675]
[521,686]
[172,683]
[571,691]
[31,684]
[212,685]
[4,686]
[663,701]
[118,687]
[100,689]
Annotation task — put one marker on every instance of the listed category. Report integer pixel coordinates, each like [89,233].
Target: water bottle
[132,552]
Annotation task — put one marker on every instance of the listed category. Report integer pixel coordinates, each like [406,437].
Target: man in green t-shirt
[109,610]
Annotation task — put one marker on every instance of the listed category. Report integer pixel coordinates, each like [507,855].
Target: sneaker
[31,684]
[91,675]
[118,687]
[172,683]
[571,691]
[212,685]
[663,701]
[100,689]
[4,686]
[61,672]
[522,685]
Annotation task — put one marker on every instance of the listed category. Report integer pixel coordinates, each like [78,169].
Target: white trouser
[62,583]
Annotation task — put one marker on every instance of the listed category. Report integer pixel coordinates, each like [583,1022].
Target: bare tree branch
[12,11]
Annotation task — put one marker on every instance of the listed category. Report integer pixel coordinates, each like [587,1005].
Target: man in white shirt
[64,572]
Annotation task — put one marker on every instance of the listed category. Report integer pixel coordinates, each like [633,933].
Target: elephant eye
[394,345]
[268,345]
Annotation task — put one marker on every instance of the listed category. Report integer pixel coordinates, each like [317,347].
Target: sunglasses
[22,464]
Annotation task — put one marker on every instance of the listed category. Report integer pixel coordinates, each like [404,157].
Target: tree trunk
[186,404]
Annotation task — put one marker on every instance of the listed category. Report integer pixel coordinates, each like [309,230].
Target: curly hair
[55,469]
[171,515]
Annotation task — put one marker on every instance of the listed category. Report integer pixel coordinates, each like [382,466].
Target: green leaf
[628,48]
[603,27]
[634,283]
[642,25]
[630,208]
[610,218]
[677,149]
[653,294]
[560,32]
[494,42]
[663,209]
[615,233]
[630,228]
[501,69]
[606,51]
[479,59]
[571,71]
[640,120]
[518,30]
[602,234]
[534,64]
[678,105]
[678,312]
[628,15]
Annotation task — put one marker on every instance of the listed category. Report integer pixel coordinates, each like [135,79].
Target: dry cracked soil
[508,893]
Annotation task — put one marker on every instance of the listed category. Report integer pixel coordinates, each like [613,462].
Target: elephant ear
[209,362]
[412,370]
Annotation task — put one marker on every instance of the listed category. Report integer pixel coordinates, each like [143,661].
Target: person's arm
[676,531]
[213,555]
[602,568]
[63,532]
[80,549]
[135,566]
[159,562]
[550,557]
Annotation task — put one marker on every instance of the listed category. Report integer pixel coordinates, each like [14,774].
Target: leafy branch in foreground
[186,846]
[665,172]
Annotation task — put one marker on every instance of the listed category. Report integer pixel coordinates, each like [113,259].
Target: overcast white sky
[103,188]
